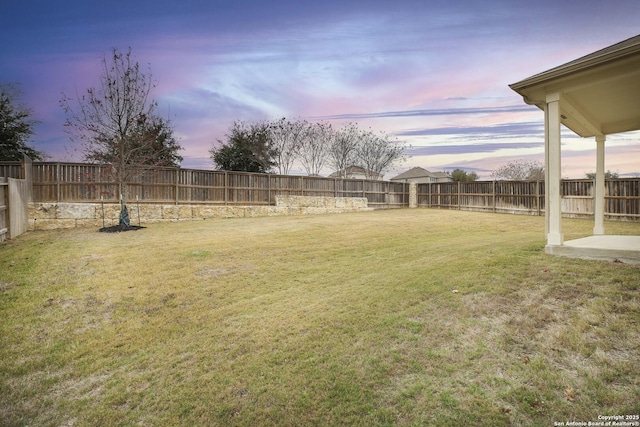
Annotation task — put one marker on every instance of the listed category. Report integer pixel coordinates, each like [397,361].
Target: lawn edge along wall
[50,216]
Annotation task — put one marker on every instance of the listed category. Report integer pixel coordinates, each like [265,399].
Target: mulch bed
[120,228]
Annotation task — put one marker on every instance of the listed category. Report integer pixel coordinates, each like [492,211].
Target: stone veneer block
[257,211]
[236,212]
[206,211]
[177,212]
[146,211]
[76,210]
[42,210]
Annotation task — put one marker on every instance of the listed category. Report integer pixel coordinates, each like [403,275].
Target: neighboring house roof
[418,172]
[599,91]
[352,170]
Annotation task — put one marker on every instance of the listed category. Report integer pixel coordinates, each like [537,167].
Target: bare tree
[313,151]
[286,138]
[116,122]
[520,170]
[377,153]
[341,152]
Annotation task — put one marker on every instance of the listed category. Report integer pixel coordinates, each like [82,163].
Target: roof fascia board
[596,77]
[586,62]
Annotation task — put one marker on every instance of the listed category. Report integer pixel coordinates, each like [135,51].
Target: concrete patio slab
[607,248]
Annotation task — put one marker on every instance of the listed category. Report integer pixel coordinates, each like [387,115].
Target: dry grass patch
[334,320]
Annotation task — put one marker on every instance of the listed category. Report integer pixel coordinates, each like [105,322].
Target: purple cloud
[433,112]
[503,130]
[489,147]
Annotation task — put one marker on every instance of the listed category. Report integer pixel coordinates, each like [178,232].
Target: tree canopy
[608,175]
[520,170]
[376,153]
[116,123]
[287,138]
[342,151]
[265,146]
[460,175]
[248,148]
[16,126]
[313,151]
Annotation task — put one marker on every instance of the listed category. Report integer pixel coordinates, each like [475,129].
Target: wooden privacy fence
[490,196]
[14,196]
[78,183]
[4,209]
[622,197]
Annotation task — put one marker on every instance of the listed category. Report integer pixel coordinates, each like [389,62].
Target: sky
[433,74]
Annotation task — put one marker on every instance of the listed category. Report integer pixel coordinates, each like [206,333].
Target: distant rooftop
[419,172]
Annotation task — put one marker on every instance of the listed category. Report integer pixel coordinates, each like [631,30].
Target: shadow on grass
[120,228]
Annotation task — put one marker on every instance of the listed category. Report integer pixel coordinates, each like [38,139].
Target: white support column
[546,170]
[554,168]
[598,205]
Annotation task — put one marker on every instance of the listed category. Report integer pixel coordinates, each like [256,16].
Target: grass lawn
[400,317]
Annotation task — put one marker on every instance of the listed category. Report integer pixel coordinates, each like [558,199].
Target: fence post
[58,182]
[388,195]
[494,195]
[27,173]
[405,194]
[538,197]
[459,183]
[5,217]
[226,186]
[189,178]
[177,184]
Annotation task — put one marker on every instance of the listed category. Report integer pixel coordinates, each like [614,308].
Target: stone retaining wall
[48,216]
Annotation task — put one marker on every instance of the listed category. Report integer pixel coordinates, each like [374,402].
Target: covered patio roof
[594,96]
[600,91]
